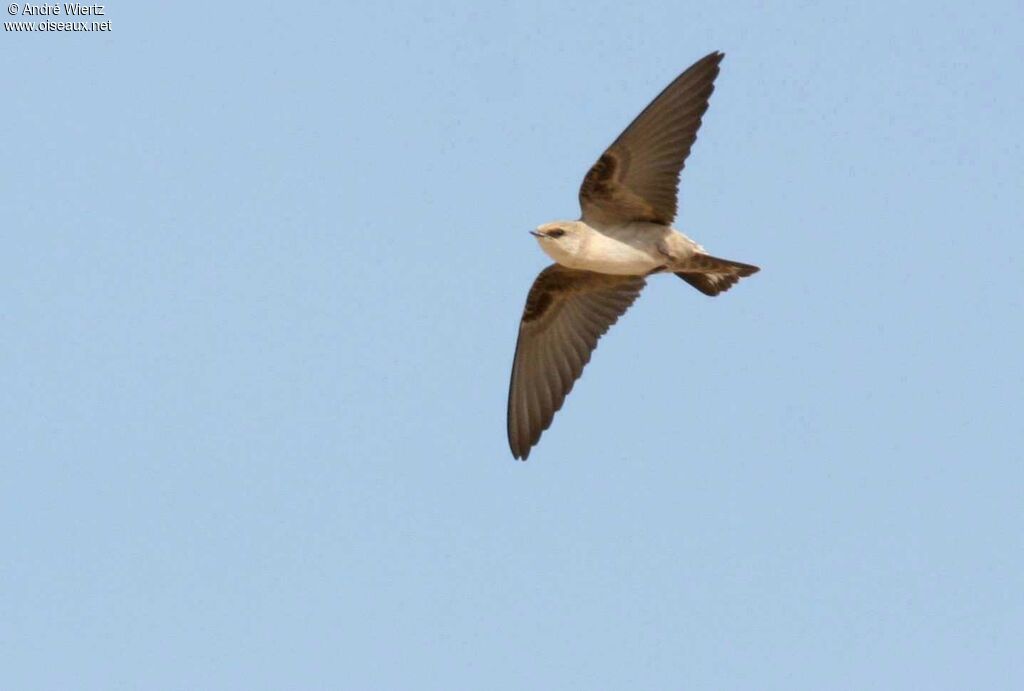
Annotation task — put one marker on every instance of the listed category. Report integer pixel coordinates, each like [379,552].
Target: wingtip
[712,60]
[517,453]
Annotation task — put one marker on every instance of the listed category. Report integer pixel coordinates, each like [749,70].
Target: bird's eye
[556,233]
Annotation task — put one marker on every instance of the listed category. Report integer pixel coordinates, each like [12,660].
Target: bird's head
[560,240]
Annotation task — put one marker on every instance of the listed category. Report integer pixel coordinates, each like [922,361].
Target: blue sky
[263,268]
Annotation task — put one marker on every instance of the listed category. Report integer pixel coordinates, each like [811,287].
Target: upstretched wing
[637,177]
[566,312]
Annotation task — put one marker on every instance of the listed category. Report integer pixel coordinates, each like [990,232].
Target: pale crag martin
[602,260]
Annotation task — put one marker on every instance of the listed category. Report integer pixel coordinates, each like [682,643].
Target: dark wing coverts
[637,178]
[566,312]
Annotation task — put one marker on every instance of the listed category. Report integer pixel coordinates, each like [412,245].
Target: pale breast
[626,250]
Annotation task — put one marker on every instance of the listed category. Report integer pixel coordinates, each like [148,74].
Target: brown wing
[566,312]
[637,178]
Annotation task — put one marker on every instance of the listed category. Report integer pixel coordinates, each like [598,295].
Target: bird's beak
[535,234]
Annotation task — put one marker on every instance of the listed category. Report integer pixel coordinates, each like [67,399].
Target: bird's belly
[631,256]
[624,264]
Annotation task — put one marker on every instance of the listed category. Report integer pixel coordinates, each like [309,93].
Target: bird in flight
[602,261]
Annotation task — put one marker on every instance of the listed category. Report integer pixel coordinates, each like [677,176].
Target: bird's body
[602,260]
[625,249]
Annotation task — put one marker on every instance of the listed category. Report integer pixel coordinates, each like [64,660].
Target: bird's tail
[711,275]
